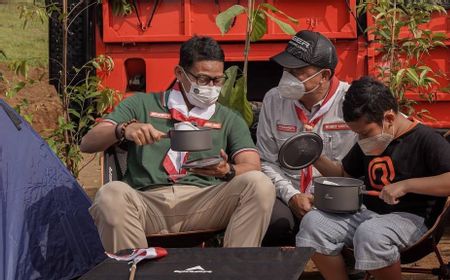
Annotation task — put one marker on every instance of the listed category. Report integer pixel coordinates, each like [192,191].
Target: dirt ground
[45,106]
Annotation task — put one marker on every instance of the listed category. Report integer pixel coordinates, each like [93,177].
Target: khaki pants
[124,216]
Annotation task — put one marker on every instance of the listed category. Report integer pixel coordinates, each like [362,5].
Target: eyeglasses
[204,80]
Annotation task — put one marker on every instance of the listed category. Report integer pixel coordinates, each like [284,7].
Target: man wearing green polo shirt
[157,195]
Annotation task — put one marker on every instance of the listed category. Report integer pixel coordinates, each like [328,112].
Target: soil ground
[45,106]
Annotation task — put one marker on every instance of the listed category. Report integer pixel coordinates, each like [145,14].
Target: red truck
[145,44]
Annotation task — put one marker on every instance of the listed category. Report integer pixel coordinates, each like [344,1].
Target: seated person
[407,161]
[157,195]
[308,98]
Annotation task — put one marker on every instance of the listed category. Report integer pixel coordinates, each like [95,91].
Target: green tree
[403,42]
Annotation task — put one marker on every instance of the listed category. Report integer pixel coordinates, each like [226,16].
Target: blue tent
[46,231]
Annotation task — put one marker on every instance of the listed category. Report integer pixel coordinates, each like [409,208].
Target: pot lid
[203,162]
[300,150]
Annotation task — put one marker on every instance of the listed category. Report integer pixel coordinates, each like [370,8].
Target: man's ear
[390,116]
[178,71]
[326,74]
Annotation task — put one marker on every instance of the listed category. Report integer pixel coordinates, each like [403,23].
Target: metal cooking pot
[339,194]
[190,140]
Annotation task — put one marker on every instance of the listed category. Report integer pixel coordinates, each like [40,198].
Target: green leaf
[399,76]
[276,10]
[233,94]
[259,27]
[283,25]
[225,18]
[412,75]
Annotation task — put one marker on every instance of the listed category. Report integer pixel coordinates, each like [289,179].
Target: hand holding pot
[391,193]
[143,133]
[217,170]
[301,204]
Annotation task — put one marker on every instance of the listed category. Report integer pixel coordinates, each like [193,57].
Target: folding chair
[422,248]
[428,244]
[114,167]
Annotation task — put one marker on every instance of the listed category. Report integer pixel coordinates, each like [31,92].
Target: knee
[309,223]
[261,187]
[110,202]
[368,238]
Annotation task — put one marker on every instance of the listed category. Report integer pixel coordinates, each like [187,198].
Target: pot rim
[357,182]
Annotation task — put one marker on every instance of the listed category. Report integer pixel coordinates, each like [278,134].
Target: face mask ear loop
[309,78]
[181,83]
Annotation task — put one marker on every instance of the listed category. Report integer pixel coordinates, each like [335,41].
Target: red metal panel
[332,18]
[156,62]
[178,20]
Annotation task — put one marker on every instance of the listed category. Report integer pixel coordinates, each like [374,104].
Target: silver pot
[190,140]
[339,194]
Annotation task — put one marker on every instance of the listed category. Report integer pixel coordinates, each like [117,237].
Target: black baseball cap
[308,48]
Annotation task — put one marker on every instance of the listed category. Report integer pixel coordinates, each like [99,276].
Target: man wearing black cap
[307,98]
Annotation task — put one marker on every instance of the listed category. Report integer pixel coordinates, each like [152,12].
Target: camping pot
[190,140]
[339,194]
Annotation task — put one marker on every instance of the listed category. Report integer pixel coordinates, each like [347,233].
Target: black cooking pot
[190,140]
[339,194]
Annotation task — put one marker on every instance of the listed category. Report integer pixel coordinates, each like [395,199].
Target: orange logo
[381,172]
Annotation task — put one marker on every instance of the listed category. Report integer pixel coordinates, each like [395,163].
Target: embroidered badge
[335,126]
[160,115]
[286,128]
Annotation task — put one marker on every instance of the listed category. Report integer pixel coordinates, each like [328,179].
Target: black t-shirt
[420,152]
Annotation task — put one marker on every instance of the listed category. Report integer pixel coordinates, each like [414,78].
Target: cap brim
[287,60]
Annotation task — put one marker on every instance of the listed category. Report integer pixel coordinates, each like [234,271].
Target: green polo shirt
[144,163]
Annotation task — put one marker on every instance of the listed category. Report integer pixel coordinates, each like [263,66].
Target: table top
[212,263]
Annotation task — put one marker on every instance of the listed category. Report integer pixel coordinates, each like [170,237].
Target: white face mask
[375,145]
[201,96]
[292,88]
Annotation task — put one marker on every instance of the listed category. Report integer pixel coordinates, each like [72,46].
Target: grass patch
[18,43]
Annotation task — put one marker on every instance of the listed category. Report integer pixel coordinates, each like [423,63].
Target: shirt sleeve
[436,152]
[268,150]
[238,137]
[353,162]
[126,110]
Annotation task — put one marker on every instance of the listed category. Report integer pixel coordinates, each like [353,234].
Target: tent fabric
[46,231]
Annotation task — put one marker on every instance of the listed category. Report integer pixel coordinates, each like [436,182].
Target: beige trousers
[124,216]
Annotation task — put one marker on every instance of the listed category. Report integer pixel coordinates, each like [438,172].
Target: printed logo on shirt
[286,128]
[335,126]
[381,172]
[160,115]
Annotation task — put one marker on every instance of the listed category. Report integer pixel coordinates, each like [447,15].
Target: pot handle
[371,193]
[167,135]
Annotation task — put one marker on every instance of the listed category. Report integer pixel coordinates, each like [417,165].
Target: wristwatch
[230,174]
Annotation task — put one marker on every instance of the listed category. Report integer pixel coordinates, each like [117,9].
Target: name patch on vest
[214,125]
[286,128]
[335,126]
[160,115]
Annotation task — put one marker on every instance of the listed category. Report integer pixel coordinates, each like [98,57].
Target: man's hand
[391,193]
[217,170]
[143,133]
[301,203]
